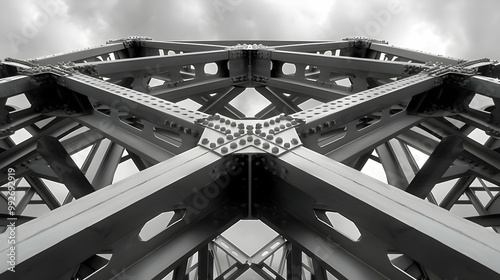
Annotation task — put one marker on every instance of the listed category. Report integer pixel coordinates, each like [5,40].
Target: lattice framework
[292,167]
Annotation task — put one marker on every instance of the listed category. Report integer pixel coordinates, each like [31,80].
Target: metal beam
[448,253]
[314,47]
[308,89]
[346,109]
[64,166]
[412,55]
[157,63]
[76,56]
[132,200]
[153,109]
[374,68]
[436,165]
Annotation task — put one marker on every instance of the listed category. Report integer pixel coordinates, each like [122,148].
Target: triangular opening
[308,104]
[250,275]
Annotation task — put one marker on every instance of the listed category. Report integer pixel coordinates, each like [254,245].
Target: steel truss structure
[296,169]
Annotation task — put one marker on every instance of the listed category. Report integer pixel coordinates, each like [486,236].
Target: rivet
[270,137]
[275,150]
[243,141]
[287,145]
[257,141]
[282,126]
[217,126]
[220,140]
[265,145]
[212,145]
[229,137]
[249,138]
[295,141]
[279,140]
[276,129]
[233,145]
[233,124]
[271,121]
[224,150]
[236,134]
[266,124]
[204,141]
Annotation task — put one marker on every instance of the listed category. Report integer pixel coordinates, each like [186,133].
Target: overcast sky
[460,28]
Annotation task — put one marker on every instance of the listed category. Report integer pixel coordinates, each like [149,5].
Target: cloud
[460,28]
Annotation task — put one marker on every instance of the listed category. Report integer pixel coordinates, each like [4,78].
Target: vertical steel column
[205,264]
[293,263]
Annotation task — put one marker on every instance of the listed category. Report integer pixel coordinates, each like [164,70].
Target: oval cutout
[211,68]
[288,69]
[157,225]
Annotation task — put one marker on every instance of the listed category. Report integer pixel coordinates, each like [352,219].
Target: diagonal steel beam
[180,46]
[314,47]
[64,166]
[373,67]
[156,63]
[412,54]
[190,89]
[77,56]
[153,109]
[88,225]
[436,165]
[308,89]
[466,253]
[352,107]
